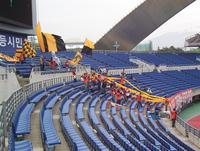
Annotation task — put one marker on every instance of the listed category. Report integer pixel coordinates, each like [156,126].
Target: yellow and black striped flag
[49,42]
[88,47]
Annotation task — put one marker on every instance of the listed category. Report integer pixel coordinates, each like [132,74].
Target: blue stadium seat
[37,96]
[48,130]
[14,145]
[24,120]
[55,87]
[76,143]
[51,100]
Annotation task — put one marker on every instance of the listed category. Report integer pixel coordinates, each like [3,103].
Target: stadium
[97,98]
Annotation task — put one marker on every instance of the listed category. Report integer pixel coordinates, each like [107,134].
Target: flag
[77,58]
[40,37]
[8,58]
[27,50]
[53,43]
[49,42]
[88,47]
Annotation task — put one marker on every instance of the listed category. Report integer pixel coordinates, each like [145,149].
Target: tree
[170,49]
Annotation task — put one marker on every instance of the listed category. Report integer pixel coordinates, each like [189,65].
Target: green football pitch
[191,111]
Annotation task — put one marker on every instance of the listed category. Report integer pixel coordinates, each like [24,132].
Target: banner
[11,41]
[8,58]
[177,100]
[77,58]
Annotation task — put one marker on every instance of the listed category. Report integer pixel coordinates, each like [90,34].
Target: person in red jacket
[173,117]
[139,100]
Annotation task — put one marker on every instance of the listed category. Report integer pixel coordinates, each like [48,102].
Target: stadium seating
[14,145]
[97,125]
[127,134]
[21,120]
[36,96]
[169,59]
[110,60]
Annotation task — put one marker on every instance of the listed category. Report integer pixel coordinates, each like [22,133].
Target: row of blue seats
[71,136]
[14,145]
[121,138]
[22,117]
[91,138]
[103,134]
[54,87]
[153,133]
[20,126]
[123,129]
[48,131]
[166,83]
[164,132]
[156,130]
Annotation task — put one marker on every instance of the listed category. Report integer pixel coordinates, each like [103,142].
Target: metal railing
[3,76]
[8,107]
[79,68]
[188,128]
[2,138]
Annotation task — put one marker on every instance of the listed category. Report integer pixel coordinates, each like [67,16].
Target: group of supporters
[54,62]
[94,81]
[121,95]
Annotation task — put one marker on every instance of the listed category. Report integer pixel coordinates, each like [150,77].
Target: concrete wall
[8,85]
[140,23]
[36,76]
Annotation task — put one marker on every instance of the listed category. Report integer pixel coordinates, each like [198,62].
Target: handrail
[3,76]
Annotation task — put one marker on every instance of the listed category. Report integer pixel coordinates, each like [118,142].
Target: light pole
[116,45]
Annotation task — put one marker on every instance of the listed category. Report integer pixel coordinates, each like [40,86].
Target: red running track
[195,122]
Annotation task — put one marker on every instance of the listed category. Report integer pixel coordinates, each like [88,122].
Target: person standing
[21,58]
[74,74]
[139,100]
[42,63]
[173,117]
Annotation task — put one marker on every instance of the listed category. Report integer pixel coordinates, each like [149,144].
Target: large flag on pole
[49,42]
[40,37]
[88,47]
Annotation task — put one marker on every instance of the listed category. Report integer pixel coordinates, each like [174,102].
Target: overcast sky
[75,20]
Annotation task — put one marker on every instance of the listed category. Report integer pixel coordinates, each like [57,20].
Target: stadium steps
[108,113]
[99,118]
[22,81]
[35,135]
[98,112]
[64,145]
[73,119]
[85,113]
